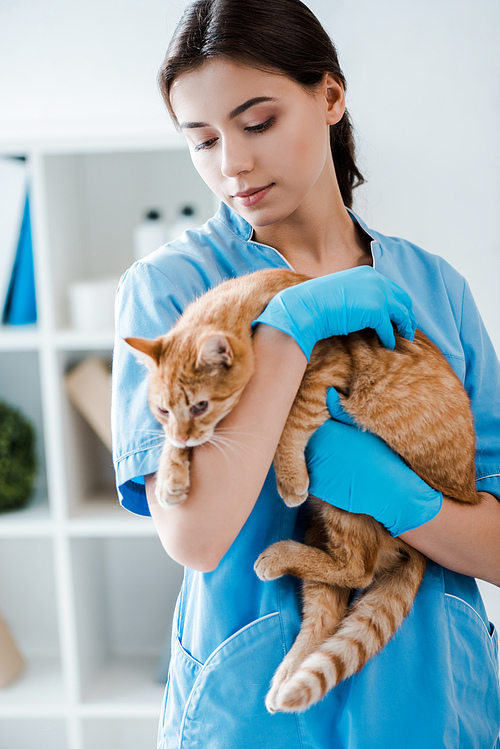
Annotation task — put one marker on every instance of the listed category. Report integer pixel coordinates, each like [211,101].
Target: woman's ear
[335,98]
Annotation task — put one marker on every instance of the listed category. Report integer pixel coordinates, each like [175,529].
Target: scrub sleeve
[436,683]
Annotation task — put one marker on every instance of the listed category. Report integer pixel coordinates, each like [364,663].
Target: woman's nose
[236,158]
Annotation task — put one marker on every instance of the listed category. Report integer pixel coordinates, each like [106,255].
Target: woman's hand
[338,304]
[457,535]
[358,472]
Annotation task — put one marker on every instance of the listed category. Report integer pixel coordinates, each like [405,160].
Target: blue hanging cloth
[20,306]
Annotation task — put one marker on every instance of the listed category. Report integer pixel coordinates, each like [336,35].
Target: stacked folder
[17,279]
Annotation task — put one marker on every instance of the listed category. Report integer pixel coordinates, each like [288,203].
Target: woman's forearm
[463,538]
[226,480]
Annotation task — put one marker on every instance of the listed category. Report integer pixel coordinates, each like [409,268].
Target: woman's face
[259,140]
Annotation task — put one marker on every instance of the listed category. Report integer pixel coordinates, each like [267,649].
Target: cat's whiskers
[160,435]
[225,431]
[224,444]
[239,449]
[219,447]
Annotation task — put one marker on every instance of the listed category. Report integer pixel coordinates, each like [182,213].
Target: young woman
[257,90]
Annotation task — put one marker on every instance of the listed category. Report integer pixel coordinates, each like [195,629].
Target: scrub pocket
[474,655]
[220,703]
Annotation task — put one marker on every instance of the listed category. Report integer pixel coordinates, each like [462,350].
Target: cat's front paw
[172,477]
[291,494]
[292,480]
[171,491]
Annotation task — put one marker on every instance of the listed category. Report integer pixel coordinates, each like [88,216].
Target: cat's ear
[146,350]
[215,350]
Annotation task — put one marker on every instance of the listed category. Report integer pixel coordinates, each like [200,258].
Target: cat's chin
[190,443]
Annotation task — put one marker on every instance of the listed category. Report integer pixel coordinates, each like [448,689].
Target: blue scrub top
[436,683]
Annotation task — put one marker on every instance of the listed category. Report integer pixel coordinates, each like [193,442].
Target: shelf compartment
[80,340]
[19,337]
[125,593]
[33,520]
[89,476]
[43,733]
[125,683]
[91,500]
[20,386]
[28,595]
[39,692]
[94,202]
[103,516]
[122,733]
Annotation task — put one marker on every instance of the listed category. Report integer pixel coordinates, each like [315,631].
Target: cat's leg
[348,566]
[366,628]
[172,477]
[292,479]
[323,609]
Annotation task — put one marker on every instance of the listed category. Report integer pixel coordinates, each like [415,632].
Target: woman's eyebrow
[235,113]
[250,103]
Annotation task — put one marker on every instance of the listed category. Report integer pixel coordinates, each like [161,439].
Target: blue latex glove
[358,472]
[336,410]
[338,304]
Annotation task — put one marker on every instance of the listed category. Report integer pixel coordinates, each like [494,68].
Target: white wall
[82,65]
[424,93]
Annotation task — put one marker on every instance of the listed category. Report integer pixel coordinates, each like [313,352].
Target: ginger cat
[410,397]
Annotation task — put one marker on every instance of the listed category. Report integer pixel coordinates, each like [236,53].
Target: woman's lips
[252,196]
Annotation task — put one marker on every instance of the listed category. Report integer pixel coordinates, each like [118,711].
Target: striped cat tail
[366,628]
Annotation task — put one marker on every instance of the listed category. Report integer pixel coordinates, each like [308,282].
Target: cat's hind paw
[268,565]
[271,701]
[282,674]
[274,561]
[297,694]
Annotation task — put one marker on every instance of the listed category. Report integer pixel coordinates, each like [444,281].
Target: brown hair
[272,35]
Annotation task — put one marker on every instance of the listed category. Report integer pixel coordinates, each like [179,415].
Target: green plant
[17,458]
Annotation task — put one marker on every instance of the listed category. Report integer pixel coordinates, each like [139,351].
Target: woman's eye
[199,408]
[262,127]
[204,146]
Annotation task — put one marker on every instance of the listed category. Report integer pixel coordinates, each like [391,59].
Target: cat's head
[194,381]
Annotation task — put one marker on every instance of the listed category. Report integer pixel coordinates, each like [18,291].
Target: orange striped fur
[409,397]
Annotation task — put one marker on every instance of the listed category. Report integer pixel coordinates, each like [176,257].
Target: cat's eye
[199,408]
[163,411]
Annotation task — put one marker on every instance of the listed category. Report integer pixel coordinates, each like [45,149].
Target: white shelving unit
[85,587]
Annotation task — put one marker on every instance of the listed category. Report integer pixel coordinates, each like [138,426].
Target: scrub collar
[243,229]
